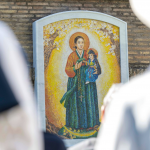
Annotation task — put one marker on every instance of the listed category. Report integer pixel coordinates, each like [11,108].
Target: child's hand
[86,62]
[95,71]
[92,66]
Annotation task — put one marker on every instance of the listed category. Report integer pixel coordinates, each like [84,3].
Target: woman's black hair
[76,39]
[92,52]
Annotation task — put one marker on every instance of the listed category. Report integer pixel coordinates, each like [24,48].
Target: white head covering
[141,8]
[127,121]
[18,125]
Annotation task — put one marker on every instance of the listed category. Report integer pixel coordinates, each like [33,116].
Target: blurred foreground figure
[53,142]
[141,10]
[127,120]
[87,144]
[127,117]
[18,120]
[108,98]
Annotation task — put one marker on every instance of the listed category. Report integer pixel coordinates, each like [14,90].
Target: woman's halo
[86,40]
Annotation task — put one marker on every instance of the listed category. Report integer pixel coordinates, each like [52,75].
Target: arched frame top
[38,53]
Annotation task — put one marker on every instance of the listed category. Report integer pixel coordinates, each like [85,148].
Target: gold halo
[95,51]
[86,40]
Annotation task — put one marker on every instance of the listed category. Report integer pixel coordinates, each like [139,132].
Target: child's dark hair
[92,52]
[76,39]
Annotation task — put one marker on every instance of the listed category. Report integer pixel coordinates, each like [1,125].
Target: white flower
[91,25]
[109,27]
[106,34]
[56,43]
[51,31]
[96,28]
[62,26]
[107,44]
[112,47]
[103,25]
[115,36]
[101,39]
[101,33]
[110,31]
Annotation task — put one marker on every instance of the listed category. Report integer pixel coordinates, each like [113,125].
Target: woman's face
[91,56]
[80,44]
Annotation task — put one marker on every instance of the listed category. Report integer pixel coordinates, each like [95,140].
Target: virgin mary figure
[80,100]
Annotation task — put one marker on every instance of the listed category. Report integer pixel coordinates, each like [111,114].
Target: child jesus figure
[94,68]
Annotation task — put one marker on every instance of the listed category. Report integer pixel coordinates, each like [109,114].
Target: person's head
[92,54]
[79,42]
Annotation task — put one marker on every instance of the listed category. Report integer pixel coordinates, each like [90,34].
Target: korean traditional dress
[81,99]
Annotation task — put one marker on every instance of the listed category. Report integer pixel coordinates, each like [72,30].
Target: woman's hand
[86,62]
[78,65]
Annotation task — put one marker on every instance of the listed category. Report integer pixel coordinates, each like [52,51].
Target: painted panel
[81,62]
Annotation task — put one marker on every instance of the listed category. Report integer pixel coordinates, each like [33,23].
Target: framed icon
[78,55]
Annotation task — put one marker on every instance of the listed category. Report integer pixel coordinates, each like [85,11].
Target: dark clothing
[7,98]
[53,142]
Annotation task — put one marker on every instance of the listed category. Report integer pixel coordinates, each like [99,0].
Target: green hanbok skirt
[81,102]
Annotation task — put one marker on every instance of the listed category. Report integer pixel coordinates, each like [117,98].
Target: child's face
[91,56]
[80,44]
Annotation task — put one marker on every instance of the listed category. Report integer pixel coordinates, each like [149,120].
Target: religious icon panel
[81,62]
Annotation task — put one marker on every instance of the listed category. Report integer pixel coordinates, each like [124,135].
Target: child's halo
[94,50]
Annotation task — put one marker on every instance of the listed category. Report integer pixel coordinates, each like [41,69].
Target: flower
[101,38]
[115,36]
[51,30]
[103,25]
[107,44]
[109,27]
[110,31]
[112,47]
